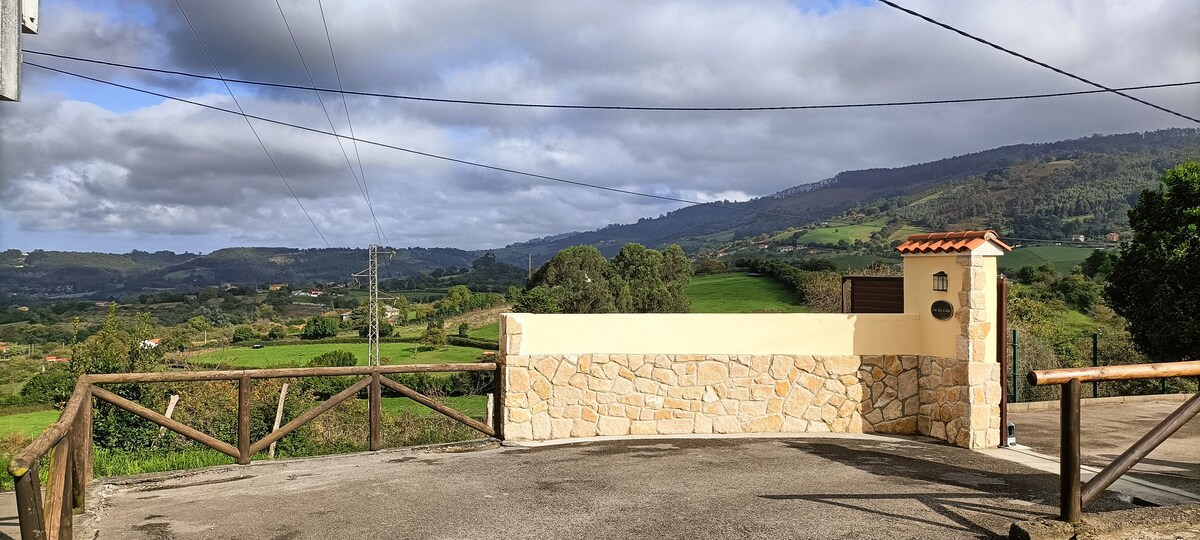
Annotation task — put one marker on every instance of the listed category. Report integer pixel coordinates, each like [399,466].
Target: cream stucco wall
[709,333]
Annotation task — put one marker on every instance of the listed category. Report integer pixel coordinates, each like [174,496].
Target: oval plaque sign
[942,310]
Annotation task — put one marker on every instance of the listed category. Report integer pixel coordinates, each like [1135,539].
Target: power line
[1116,91]
[243,114]
[428,154]
[344,93]
[328,118]
[346,107]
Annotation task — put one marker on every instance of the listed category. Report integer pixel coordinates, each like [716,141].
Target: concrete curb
[1054,404]
[1165,522]
[724,436]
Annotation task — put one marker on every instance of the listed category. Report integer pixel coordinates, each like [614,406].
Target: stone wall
[561,396]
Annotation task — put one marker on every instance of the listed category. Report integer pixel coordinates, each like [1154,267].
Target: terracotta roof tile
[950,242]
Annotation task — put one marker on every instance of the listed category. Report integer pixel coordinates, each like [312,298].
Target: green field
[1062,258]
[739,293]
[862,231]
[30,424]
[294,355]
[491,331]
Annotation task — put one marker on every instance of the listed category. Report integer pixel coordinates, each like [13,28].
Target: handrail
[69,439]
[283,373]
[1127,372]
[38,448]
[1074,495]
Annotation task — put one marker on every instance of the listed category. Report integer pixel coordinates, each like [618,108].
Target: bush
[51,386]
[243,333]
[463,329]
[319,327]
[276,333]
[323,387]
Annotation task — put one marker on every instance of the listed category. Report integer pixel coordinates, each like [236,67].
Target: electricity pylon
[372,275]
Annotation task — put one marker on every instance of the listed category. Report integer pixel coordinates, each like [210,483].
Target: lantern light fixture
[941,282]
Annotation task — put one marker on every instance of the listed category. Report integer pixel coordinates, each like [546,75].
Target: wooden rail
[1074,495]
[68,442]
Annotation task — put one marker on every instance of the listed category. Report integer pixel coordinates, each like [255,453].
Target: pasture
[300,354]
[1062,258]
[735,292]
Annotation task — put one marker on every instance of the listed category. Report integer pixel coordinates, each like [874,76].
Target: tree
[677,275]
[463,328]
[320,327]
[578,279]
[435,334]
[638,280]
[264,312]
[536,300]
[243,333]
[1153,283]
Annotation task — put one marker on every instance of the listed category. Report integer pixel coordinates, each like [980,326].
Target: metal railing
[1074,495]
[69,440]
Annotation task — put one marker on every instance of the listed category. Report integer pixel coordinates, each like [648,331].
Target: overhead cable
[618,107]
[328,118]
[427,154]
[346,107]
[1117,91]
[243,114]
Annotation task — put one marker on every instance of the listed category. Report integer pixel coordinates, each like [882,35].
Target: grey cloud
[175,169]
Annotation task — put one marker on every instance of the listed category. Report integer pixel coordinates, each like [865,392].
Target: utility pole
[372,274]
[529,272]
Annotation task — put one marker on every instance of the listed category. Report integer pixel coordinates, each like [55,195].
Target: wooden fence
[69,440]
[1074,495]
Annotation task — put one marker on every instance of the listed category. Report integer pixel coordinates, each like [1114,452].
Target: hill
[1048,191]
[1040,190]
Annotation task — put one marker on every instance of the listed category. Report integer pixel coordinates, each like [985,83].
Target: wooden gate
[872,294]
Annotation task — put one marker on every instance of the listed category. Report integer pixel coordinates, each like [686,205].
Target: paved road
[811,487]
[1108,430]
[818,487]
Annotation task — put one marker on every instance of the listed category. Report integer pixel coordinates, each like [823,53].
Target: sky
[90,167]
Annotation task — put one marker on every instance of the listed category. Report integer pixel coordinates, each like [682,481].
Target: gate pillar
[950,283]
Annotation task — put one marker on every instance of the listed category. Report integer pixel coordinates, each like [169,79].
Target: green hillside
[1062,258]
[739,293]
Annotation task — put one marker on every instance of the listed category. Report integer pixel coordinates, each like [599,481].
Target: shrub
[319,327]
[51,386]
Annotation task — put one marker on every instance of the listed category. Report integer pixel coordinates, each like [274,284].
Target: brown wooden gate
[872,294]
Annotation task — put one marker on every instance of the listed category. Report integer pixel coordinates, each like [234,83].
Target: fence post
[1015,378]
[81,450]
[1002,354]
[29,505]
[1070,491]
[375,412]
[498,398]
[1095,362]
[243,440]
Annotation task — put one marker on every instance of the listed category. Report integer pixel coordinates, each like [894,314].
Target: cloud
[172,172]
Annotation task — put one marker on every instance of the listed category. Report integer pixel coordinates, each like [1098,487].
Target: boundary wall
[655,374]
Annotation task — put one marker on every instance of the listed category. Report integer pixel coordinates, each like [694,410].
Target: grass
[473,406]
[121,463]
[739,293]
[1062,258]
[291,355]
[491,331]
[862,231]
[29,424]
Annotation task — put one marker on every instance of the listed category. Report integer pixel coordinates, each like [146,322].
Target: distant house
[276,286]
[151,343]
[1112,237]
[1078,238]
[57,360]
[3,346]
[786,249]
